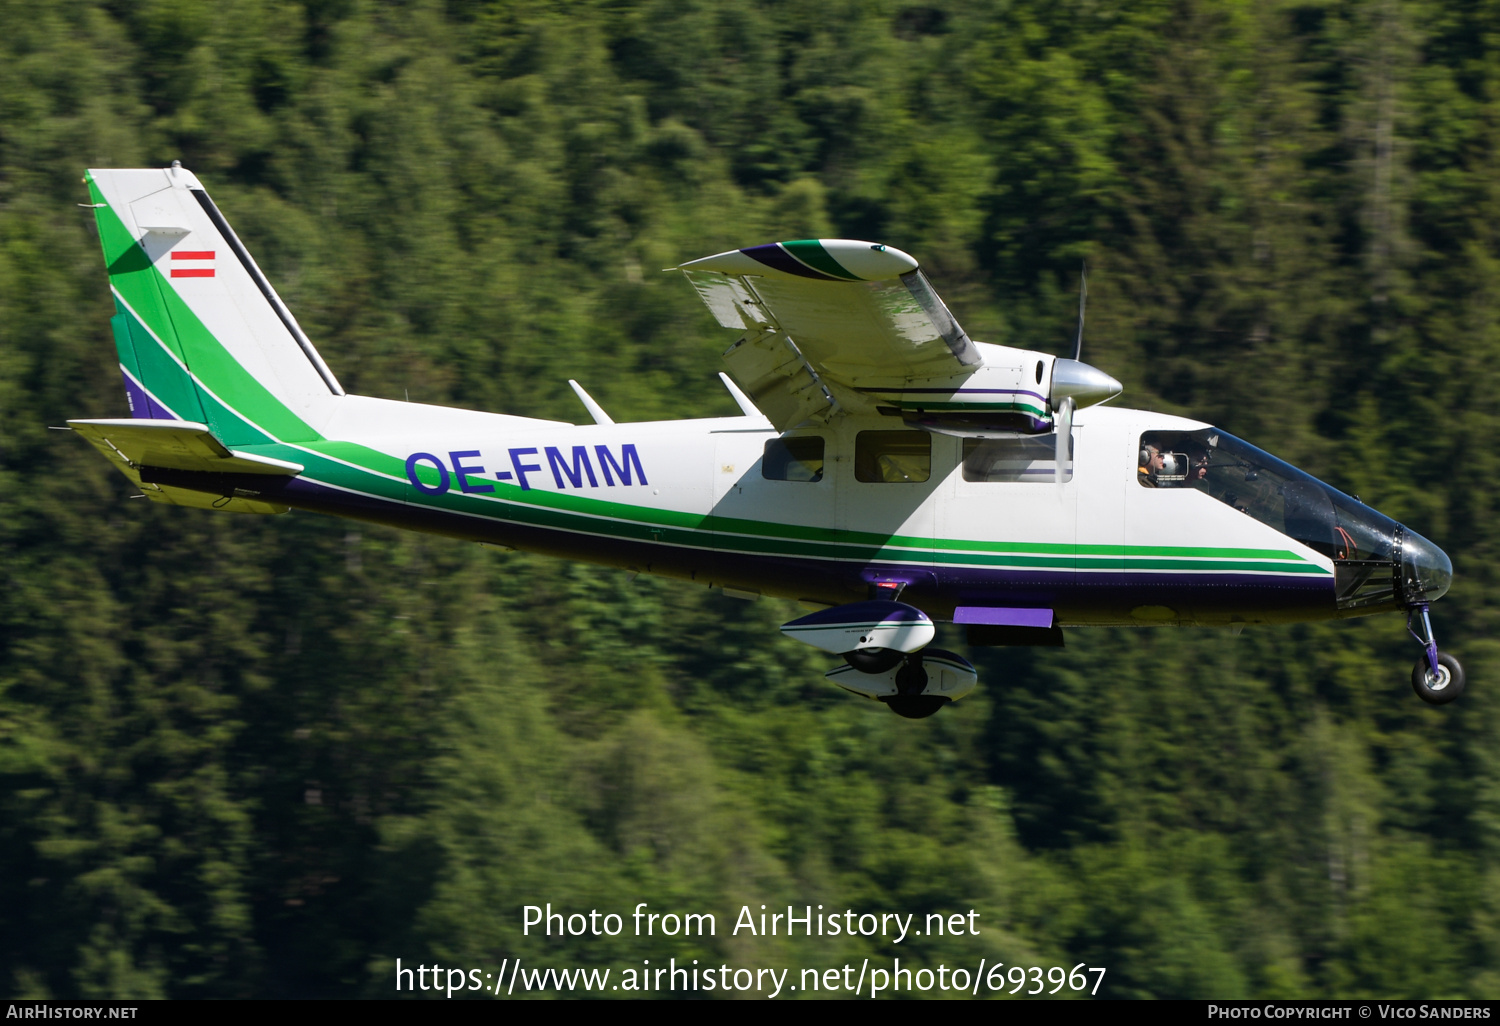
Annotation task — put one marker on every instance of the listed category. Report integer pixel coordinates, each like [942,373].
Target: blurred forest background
[248,756]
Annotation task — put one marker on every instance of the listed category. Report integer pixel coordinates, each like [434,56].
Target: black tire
[1439,692]
[915,707]
[911,679]
[873,660]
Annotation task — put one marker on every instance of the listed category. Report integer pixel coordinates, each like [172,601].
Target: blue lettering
[576,471]
[628,457]
[462,472]
[411,473]
[522,468]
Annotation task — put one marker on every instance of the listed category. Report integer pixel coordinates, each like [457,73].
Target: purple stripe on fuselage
[773,255]
[142,406]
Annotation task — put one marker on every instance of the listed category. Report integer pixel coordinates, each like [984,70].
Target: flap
[778,379]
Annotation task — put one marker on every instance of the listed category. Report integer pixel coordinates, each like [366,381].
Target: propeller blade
[1062,429]
[1083,296]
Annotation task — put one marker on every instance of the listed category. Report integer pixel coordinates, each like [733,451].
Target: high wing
[825,316]
[837,326]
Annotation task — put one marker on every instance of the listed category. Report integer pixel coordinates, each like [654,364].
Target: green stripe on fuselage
[581,514]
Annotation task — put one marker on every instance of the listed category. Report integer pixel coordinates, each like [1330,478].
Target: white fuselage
[690,499]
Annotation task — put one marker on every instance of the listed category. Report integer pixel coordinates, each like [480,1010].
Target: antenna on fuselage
[595,410]
[741,400]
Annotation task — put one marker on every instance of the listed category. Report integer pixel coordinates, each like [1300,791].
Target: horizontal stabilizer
[176,445]
[180,445]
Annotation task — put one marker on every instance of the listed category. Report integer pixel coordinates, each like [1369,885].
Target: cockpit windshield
[1364,544]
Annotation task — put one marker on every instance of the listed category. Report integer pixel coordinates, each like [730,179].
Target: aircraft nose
[1426,570]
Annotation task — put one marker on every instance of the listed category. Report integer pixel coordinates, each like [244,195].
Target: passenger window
[1015,459]
[799,458]
[891,456]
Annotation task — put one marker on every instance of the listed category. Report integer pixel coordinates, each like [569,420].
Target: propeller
[1062,419]
[1083,298]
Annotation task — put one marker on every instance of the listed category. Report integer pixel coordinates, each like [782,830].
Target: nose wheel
[1437,678]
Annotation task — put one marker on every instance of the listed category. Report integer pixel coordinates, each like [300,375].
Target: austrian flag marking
[196,255]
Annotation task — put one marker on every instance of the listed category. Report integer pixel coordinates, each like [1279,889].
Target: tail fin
[201,334]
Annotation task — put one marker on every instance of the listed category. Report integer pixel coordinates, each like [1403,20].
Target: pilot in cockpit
[1151,465]
[1161,469]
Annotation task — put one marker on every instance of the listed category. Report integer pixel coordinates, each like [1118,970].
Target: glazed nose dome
[1426,570]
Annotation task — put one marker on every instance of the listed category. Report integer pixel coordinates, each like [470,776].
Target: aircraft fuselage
[691,499]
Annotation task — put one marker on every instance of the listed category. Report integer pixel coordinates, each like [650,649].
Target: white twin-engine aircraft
[888,471]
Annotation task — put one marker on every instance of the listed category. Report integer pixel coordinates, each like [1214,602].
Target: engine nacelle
[947,675]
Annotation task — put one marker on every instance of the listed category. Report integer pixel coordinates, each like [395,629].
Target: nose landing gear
[1437,678]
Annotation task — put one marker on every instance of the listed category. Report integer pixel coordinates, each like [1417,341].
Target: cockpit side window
[1174,459]
[1200,460]
[1261,486]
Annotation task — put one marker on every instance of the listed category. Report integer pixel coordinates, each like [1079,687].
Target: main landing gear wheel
[916,686]
[1437,678]
[910,681]
[1442,687]
[874,660]
[915,707]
